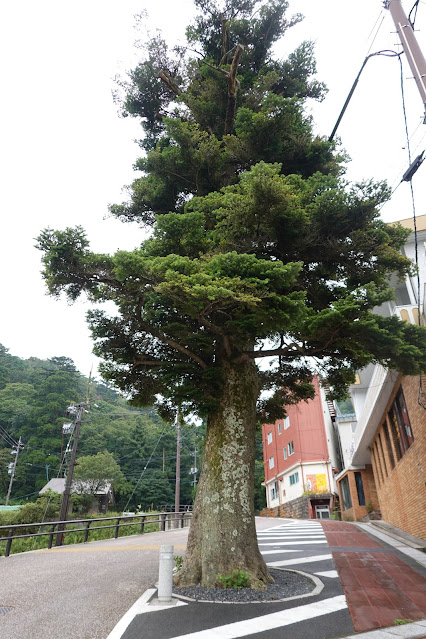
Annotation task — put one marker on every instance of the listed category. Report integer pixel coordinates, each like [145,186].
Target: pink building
[301,458]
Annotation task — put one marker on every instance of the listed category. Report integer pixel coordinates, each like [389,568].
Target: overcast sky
[65,154]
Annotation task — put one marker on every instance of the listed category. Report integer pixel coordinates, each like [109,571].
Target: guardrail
[165,521]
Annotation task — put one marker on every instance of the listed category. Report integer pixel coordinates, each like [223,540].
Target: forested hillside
[34,396]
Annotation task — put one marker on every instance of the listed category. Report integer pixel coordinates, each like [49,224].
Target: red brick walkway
[379,586]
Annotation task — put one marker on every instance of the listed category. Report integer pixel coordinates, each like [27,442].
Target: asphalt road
[298,545]
[80,591]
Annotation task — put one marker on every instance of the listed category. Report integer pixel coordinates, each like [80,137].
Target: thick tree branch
[232,90]
[217,331]
[167,80]
[293,349]
[166,340]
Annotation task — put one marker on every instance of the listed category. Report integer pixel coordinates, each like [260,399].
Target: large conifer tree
[258,249]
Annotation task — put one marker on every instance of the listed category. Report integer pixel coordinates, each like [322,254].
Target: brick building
[383,446]
[301,459]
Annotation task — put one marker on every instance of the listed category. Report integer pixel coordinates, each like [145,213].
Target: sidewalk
[382,586]
[383,580]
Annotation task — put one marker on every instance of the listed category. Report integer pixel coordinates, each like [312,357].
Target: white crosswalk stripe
[272,621]
[277,551]
[294,543]
[293,536]
[301,560]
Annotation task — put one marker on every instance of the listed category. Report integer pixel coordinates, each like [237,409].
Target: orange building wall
[306,431]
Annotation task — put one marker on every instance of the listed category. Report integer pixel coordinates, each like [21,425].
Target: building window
[286,422]
[359,489]
[279,428]
[285,452]
[346,493]
[274,491]
[271,462]
[400,423]
[294,478]
[290,448]
[270,438]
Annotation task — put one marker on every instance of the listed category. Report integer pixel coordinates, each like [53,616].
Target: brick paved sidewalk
[380,587]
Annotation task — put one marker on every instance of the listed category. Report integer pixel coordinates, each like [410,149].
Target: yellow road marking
[107,548]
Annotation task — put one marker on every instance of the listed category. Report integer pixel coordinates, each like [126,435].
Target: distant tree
[259,248]
[94,473]
[156,488]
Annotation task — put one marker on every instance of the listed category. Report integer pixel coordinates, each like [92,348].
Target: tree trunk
[222,537]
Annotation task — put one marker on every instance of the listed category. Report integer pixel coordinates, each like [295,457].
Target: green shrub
[178,561]
[236,579]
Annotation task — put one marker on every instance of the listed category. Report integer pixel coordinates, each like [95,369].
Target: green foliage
[45,508]
[34,399]
[236,579]
[178,562]
[402,622]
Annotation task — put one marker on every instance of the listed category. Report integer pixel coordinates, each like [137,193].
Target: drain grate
[4,610]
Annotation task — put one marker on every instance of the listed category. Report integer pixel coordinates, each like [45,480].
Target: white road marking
[139,607]
[293,536]
[293,543]
[275,552]
[301,560]
[272,621]
[332,574]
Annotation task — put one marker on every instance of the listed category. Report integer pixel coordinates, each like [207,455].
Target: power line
[142,474]
[7,437]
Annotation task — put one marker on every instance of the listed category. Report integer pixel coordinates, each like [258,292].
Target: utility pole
[68,480]
[15,451]
[410,45]
[178,446]
[194,470]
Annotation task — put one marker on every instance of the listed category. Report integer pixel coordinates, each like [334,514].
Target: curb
[415,630]
[319,586]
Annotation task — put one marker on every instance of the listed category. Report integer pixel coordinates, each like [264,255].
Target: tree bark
[222,536]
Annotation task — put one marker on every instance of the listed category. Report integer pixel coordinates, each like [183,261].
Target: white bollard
[165,574]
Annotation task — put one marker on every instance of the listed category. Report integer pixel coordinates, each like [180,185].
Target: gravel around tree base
[287,584]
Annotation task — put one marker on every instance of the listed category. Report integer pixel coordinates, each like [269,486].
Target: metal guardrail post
[86,532]
[142,524]
[117,527]
[49,545]
[9,543]
[162,519]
